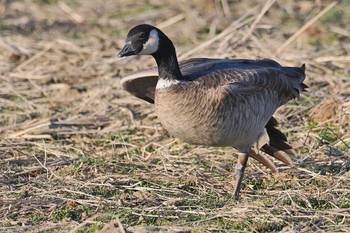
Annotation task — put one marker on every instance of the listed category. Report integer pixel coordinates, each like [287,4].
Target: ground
[78,154]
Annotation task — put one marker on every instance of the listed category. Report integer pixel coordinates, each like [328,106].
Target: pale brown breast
[211,116]
[191,116]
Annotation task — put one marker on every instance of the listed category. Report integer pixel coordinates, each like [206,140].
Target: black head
[142,39]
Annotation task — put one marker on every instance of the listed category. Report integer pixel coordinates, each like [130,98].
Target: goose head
[143,39]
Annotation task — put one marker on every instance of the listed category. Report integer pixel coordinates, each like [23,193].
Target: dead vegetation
[78,154]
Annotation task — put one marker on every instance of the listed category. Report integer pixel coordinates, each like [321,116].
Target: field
[79,154]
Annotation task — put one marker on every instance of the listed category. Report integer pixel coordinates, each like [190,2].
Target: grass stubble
[78,154]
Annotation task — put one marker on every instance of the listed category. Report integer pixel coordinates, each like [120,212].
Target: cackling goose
[215,102]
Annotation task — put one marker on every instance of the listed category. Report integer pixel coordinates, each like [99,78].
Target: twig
[120,225]
[341,31]
[66,9]
[266,7]
[44,166]
[89,220]
[155,215]
[303,28]
[34,126]
[332,58]
[14,50]
[234,26]
[226,8]
[33,58]
[313,174]
[171,21]
[38,168]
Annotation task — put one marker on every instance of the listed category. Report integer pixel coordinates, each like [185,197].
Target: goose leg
[240,167]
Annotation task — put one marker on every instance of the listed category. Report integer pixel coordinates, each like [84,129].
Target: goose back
[142,84]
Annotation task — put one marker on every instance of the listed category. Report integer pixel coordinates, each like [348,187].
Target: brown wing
[142,84]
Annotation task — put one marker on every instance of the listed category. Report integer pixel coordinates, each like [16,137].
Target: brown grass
[77,153]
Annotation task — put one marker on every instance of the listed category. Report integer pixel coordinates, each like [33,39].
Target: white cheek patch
[164,83]
[151,45]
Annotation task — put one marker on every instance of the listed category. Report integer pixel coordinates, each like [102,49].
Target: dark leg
[240,167]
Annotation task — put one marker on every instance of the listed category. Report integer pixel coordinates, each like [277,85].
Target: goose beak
[127,51]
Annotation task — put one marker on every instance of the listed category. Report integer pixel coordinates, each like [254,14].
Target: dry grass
[77,152]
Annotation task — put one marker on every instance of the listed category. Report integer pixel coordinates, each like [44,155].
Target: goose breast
[216,110]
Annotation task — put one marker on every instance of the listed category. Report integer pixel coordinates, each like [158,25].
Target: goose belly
[212,120]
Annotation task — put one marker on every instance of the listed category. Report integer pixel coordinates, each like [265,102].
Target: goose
[215,102]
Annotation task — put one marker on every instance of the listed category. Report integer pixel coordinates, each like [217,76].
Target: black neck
[168,66]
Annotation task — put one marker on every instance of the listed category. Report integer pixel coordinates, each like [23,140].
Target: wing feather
[261,73]
[141,84]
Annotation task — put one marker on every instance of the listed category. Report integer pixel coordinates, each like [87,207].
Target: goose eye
[142,35]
